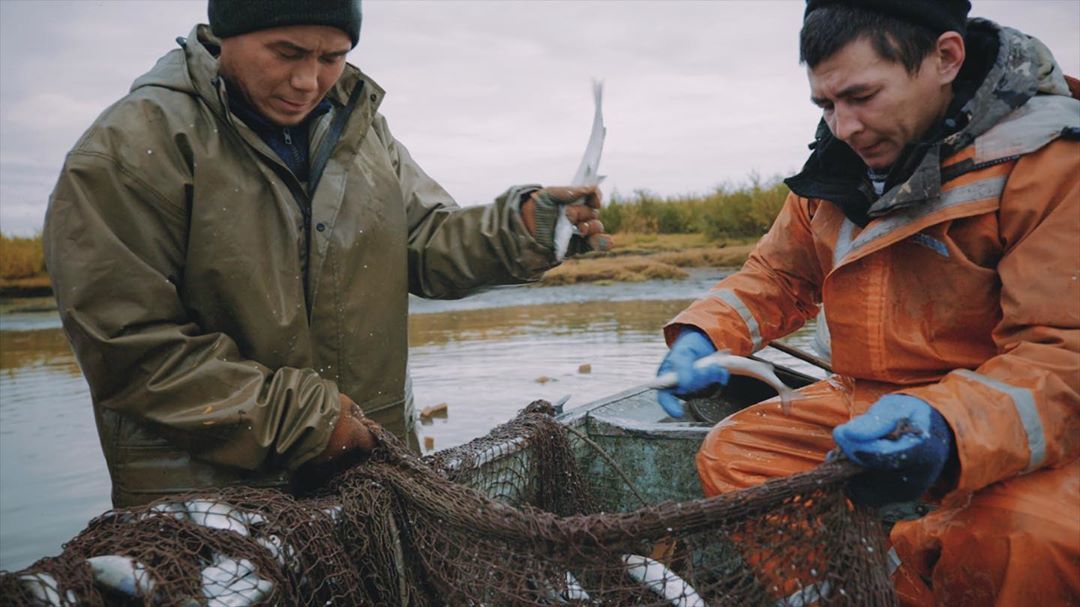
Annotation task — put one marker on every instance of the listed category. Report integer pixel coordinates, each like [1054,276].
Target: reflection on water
[51,468]
[488,364]
[482,356]
[23,349]
[28,314]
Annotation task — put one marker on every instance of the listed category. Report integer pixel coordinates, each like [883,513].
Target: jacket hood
[1004,69]
[1023,67]
[179,68]
[193,69]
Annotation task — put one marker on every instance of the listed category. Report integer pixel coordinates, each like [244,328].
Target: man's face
[284,72]
[874,105]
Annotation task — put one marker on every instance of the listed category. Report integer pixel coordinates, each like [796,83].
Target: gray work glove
[540,213]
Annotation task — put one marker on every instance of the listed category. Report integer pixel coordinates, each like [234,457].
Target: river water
[486,357]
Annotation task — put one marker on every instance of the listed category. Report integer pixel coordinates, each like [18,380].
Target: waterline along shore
[635,258]
[641,257]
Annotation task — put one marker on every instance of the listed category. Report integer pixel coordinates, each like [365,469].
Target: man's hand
[690,346]
[904,441]
[352,433]
[580,203]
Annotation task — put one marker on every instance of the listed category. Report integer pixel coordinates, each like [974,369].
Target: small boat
[631,452]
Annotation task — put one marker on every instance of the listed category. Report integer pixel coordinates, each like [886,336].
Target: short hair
[827,30]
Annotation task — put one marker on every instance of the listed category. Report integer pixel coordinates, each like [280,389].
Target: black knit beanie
[234,17]
[938,15]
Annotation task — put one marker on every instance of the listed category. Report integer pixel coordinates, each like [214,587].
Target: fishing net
[507,519]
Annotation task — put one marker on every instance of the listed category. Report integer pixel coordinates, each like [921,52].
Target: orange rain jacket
[964,287]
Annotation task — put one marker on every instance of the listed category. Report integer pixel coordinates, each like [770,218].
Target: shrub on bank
[21,257]
[742,211]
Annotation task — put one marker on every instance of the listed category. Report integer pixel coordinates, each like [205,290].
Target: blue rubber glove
[689,346]
[904,441]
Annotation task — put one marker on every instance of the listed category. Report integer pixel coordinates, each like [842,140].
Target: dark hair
[829,29]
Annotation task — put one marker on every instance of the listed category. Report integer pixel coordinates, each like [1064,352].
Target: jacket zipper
[317,163]
[297,156]
[303,200]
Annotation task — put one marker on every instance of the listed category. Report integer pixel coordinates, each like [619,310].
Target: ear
[950,56]
[226,52]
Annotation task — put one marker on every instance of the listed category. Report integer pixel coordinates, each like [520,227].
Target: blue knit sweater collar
[290,143]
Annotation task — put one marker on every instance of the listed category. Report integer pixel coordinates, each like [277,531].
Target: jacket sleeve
[115,249]
[1020,410]
[775,292]
[454,251]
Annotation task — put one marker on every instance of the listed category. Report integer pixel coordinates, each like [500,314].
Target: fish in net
[507,519]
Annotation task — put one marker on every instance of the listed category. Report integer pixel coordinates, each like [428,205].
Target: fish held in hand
[736,365]
[758,369]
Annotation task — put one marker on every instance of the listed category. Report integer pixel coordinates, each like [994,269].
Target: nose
[845,123]
[305,76]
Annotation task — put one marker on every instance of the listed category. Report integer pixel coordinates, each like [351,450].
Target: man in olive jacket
[232,246]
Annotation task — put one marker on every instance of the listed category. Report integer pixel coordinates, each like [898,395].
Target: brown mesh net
[504,520]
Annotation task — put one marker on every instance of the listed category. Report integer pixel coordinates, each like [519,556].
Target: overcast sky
[484,94]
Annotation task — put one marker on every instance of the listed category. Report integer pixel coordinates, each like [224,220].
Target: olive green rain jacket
[217,308]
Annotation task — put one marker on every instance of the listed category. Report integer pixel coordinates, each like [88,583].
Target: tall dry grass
[640,267]
[730,211]
[21,257]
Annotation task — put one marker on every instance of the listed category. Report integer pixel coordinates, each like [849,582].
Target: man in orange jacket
[936,223]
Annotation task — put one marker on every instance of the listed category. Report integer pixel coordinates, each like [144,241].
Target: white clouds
[26,184]
[53,111]
[484,94]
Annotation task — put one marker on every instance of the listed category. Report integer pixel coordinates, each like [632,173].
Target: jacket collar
[258,123]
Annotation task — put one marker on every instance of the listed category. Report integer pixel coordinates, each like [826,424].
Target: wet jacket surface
[962,289]
[217,309]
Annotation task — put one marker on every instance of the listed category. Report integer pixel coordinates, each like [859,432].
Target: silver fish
[45,589]
[571,592]
[334,512]
[122,575]
[590,161]
[574,591]
[736,365]
[230,582]
[216,515]
[282,552]
[662,581]
[587,170]
[177,510]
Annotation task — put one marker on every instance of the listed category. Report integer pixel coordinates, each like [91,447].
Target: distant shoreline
[636,258]
[641,257]
[35,286]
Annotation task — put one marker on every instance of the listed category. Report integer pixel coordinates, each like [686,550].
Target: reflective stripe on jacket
[217,309]
[969,299]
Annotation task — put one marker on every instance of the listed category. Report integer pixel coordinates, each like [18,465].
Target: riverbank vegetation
[658,237]
[22,267]
[730,211]
[655,237]
[640,257]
